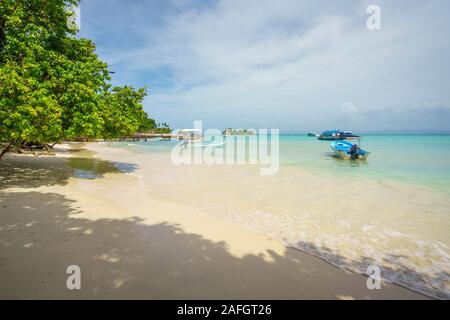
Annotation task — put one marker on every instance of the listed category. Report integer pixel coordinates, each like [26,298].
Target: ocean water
[418,159]
[392,210]
[407,158]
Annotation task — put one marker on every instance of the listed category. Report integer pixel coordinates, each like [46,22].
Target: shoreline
[402,228]
[132,246]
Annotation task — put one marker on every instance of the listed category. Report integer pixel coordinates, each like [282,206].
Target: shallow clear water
[419,159]
[392,210]
[413,159]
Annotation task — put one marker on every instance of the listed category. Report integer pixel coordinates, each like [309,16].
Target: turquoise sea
[419,159]
[392,210]
[409,158]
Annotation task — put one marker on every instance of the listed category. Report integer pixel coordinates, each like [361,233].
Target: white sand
[129,246]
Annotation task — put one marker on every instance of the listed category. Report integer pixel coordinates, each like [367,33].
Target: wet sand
[76,209]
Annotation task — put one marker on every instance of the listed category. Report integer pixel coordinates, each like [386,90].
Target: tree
[147,124]
[53,86]
[163,128]
[122,112]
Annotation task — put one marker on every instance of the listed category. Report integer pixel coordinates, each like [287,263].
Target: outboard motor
[354,152]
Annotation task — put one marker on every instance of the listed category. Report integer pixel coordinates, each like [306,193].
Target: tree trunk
[6,149]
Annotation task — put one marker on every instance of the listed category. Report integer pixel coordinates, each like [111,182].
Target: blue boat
[348,150]
[336,135]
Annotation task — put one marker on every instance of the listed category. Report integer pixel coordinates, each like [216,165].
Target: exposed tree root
[27,148]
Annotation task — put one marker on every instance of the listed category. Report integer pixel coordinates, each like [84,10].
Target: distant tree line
[53,86]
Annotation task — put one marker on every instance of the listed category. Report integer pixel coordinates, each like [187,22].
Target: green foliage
[28,112]
[123,113]
[53,86]
[163,128]
[147,124]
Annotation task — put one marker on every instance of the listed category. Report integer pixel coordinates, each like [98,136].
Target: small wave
[398,266]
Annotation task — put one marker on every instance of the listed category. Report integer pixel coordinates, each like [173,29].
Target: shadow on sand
[129,259]
[125,258]
[20,172]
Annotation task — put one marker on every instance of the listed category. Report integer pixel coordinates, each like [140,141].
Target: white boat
[190,135]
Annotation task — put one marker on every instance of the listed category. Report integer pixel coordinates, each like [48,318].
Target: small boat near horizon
[238,132]
[189,134]
[348,151]
[333,135]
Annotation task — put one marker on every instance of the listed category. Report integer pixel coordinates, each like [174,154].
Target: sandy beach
[227,150]
[130,246]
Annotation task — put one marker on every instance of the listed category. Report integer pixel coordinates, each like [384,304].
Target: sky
[294,65]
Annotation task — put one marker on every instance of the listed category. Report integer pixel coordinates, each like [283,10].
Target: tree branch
[6,149]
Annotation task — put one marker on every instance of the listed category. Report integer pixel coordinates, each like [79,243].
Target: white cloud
[290,63]
[348,107]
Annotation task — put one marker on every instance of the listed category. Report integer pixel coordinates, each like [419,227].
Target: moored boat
[189,134]
[334,135]
[348,150]
[238,132]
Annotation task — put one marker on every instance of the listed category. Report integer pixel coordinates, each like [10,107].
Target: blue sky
[296,65]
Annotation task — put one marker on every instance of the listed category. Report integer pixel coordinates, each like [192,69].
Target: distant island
[238,132]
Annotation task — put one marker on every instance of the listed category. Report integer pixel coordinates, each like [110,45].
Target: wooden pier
[145,136]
